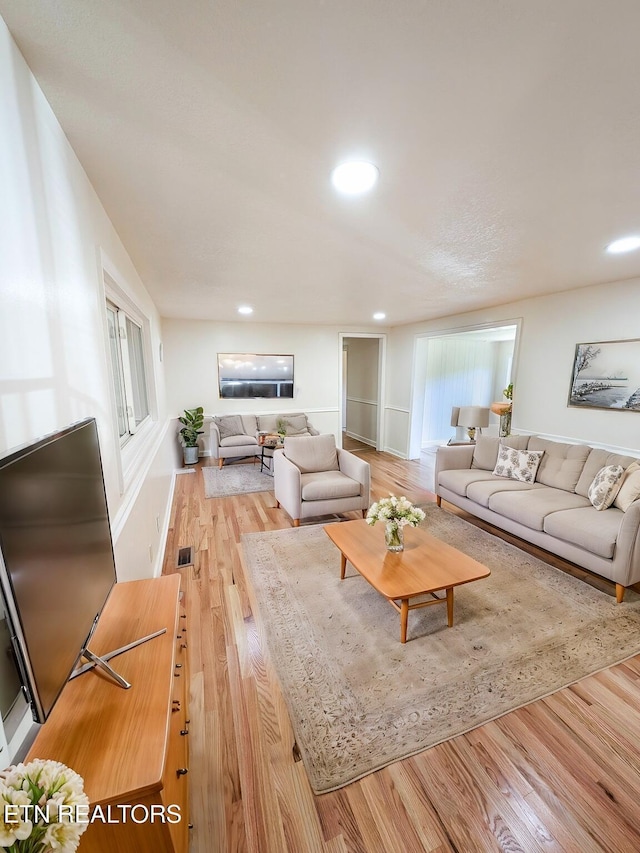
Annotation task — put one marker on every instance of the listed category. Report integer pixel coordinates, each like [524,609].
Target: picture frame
[606,375]
[252,375]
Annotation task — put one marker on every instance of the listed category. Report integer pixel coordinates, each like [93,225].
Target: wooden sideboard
[130,746]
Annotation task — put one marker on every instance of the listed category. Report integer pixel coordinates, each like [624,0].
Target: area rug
[359,699]
[235,480]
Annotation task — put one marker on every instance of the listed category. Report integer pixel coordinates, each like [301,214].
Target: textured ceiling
[507,135]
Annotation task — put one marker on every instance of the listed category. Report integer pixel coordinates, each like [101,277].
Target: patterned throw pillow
[517,464]
[605,486]
[229,425]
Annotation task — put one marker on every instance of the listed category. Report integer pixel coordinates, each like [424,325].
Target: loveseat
[554,509]
[234,436]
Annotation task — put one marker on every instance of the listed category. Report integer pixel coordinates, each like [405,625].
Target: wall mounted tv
[249,375]
[56,556]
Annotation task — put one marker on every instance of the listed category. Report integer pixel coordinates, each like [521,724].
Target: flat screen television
[249,375]
[56,556]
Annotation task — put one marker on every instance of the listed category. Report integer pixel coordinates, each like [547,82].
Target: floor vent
[185,557]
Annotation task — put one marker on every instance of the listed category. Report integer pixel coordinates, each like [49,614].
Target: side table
[266,455]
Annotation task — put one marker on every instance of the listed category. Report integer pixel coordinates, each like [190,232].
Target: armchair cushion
[312,453]
[326,485]
[229,425]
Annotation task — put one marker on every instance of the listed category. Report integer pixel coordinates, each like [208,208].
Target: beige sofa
[235,436]
[554,511]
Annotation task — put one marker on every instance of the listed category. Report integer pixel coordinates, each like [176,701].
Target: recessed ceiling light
[245,309]
[354,177]
[379,315]
[625,244]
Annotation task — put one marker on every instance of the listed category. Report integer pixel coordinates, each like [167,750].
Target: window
[126,351]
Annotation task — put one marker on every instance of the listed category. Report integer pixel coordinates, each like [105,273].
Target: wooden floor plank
[562,774]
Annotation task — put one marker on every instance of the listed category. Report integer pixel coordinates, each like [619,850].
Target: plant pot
[190,455]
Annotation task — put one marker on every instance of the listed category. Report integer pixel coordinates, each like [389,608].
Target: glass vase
[394,537]
[505,424]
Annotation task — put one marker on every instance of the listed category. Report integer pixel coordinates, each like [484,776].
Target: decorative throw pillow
[517,464]
[229,425]
[629,487]
[605,486]
[296,425]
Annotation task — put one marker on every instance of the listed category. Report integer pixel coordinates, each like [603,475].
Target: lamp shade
[473,416]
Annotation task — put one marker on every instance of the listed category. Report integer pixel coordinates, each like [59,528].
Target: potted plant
[281,426]
[192,420]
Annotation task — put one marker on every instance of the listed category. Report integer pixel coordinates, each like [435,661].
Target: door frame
[382,360]
[418,383]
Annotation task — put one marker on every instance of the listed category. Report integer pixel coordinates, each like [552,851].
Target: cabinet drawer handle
[182,771]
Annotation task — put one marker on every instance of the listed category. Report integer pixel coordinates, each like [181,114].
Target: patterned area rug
[235,480]
[359,699]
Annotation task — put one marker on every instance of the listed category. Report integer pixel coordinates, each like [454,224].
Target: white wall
[53,365]
[551,327]
[191,350]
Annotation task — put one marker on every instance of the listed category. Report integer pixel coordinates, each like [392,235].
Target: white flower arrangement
[40,805]
[396,512]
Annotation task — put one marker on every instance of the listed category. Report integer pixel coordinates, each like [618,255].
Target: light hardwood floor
[561,774]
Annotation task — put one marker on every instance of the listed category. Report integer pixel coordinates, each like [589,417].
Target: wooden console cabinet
[130,746]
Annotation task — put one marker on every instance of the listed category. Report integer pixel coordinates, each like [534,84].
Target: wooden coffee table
[426,566]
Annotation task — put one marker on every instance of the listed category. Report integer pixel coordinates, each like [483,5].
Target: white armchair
[313,477]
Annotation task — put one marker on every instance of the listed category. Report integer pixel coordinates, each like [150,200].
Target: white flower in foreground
[63,837]
[14,825]
[49,785]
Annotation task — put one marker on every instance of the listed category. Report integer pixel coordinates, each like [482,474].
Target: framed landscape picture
[606,375]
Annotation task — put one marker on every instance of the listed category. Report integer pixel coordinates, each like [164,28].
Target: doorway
[361,387]
[465,367]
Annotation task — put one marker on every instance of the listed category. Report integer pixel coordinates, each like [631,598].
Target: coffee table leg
[343,566]
[404,618]
[450,606]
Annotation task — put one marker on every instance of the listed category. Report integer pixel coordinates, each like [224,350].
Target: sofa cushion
[229,425]
[629,490]
[296,425]
[606,485]
[481,491]
[250,423]
[458,480]
[596,460]
[532,506]
[485,452]
[327,485]
[517,464]
[269,423]
[238,441]
[312,453]
[561,464]
[594,531]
